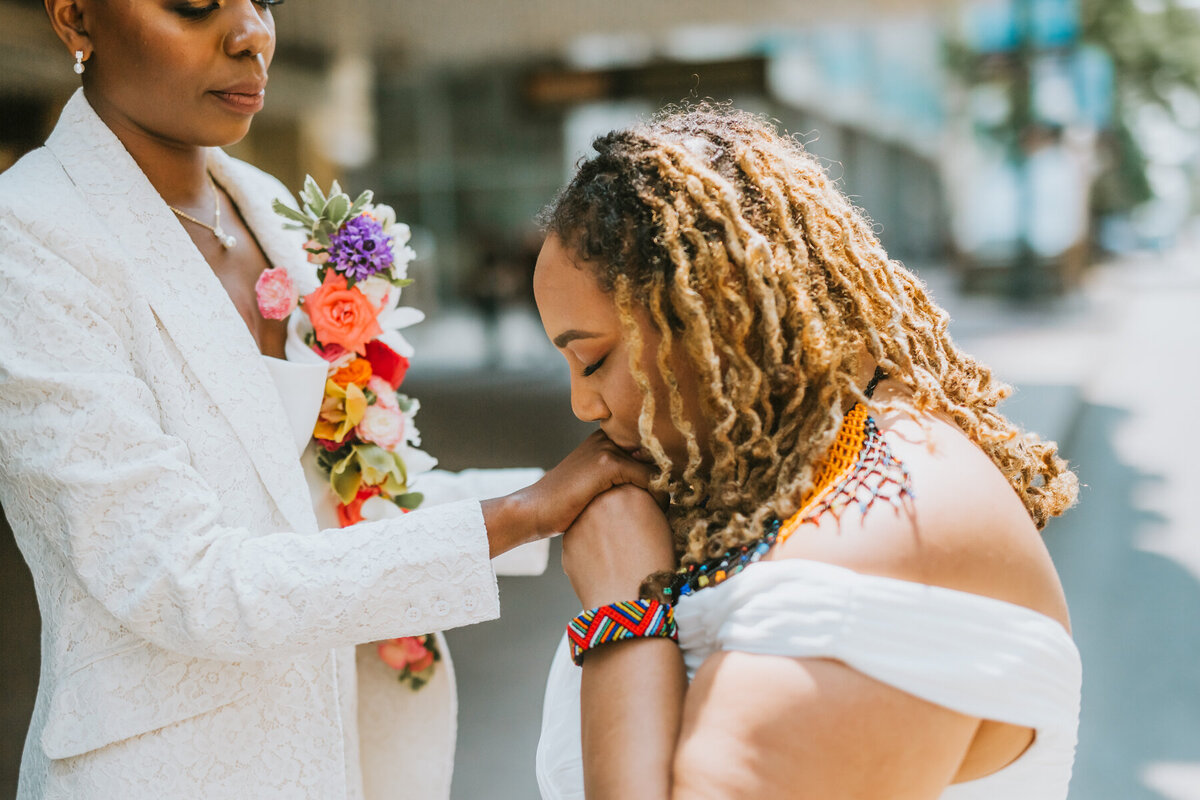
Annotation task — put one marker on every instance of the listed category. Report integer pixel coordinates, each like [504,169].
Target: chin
[221,135]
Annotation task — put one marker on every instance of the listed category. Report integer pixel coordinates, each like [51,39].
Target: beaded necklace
[858,468]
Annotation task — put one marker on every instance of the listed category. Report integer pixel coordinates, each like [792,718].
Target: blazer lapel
[187,298]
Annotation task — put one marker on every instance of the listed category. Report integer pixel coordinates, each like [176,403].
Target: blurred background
[1034,161]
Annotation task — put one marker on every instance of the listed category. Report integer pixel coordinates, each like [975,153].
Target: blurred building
[971,132]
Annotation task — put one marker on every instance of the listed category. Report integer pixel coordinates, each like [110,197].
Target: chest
[237,267]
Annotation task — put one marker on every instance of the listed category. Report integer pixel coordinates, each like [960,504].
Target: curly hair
[748,259]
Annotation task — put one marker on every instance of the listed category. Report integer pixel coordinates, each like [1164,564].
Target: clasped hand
[620,538]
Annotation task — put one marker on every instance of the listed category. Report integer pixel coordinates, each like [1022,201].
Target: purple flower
[360,248]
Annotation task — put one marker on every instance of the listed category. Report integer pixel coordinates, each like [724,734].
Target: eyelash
[590,369]
[200,12]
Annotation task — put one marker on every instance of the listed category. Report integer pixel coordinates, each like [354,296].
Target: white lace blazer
[192,610]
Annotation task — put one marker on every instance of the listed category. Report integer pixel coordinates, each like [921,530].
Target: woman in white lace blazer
[198,625]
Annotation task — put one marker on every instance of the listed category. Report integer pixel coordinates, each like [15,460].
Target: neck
[177,170]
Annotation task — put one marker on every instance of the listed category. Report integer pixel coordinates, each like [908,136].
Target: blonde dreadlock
[749,260]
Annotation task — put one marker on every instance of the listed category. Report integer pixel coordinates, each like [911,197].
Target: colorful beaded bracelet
[613,623]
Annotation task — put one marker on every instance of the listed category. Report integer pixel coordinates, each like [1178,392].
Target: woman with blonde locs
[202,609]
[849,560]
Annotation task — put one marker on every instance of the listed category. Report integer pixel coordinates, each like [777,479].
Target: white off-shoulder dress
[979,656]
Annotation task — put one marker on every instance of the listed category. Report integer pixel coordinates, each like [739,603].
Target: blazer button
[412,615]
[441,608]
[469,603]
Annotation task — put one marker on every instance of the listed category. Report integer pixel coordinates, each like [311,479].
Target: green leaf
[312,195]
[292,214]
[360,203]
[336,209]
[410,500]
[323,231]
[378,466]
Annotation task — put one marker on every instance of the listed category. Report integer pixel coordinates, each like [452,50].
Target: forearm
[631,705]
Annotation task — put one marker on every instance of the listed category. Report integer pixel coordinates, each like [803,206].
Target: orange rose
[341,315]
[358,372]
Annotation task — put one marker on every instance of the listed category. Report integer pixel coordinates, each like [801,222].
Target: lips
[247,97]
[637,454]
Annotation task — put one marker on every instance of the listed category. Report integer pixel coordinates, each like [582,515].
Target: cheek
[626,399]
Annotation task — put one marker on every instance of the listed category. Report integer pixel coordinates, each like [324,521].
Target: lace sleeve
[88,467]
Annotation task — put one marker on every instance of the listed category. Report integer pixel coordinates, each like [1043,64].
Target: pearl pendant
[227,241]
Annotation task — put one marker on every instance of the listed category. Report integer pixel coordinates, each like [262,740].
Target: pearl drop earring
[79,62]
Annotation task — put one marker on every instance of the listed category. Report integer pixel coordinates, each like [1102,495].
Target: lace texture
[195,617]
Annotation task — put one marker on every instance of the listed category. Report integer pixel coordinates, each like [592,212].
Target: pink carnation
[385,395]
[277,295]
[383,426]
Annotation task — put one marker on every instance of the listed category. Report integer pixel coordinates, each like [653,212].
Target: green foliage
[1155,53]
[320,216]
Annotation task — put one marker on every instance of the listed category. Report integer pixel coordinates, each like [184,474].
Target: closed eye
[196,12]
[200,12]
[591,368]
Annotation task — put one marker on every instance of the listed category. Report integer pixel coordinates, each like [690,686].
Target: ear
[67,19]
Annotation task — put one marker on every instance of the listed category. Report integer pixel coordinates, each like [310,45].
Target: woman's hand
[618,540]
[551,505]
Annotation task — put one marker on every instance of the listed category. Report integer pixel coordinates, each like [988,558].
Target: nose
[586,403]
[250,33]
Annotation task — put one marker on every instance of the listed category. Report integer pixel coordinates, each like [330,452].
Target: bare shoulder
[964,527]
[832,730]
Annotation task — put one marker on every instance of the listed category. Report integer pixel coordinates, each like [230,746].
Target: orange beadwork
[843,456]
[858,468]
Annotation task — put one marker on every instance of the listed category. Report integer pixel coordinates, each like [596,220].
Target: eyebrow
[566,337]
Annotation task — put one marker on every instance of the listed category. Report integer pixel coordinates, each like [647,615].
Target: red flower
[387,363]
[348,514]
[330,352]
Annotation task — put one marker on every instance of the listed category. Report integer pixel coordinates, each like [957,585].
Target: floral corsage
[367,441]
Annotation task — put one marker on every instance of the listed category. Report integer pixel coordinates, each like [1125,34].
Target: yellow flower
[341,410]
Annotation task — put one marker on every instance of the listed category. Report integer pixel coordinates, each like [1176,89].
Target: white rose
[383,426]
[376,289]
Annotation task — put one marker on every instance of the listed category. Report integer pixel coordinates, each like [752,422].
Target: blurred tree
[1155,50]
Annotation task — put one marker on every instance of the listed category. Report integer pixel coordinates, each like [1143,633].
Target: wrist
[614,590]
[508,522]
[618,623]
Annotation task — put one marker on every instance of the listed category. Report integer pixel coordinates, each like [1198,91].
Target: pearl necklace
[227,241]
